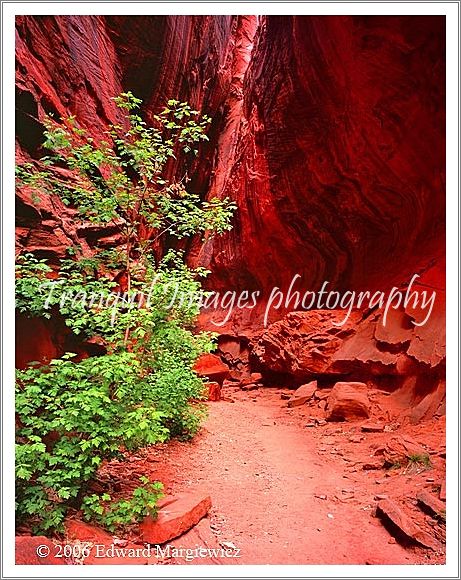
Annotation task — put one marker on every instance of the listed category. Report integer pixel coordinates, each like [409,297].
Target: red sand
[285,493]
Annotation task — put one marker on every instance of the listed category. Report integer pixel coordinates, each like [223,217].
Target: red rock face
[76,64]
[338,168]
[328,132]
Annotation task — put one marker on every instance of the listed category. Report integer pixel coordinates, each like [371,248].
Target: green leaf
[77,413]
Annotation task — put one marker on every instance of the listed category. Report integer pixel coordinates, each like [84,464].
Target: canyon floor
[286,489]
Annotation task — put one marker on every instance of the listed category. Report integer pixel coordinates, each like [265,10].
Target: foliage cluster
[73,413]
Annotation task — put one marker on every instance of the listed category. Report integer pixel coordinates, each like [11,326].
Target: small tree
[122,181]
[72,415]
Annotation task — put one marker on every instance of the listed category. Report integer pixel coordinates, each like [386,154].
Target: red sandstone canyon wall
[328,132]
[338,166]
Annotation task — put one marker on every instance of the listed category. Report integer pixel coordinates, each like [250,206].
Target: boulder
[234,352]
[175,517]
[303,343]
[404,525]
[348,401]
[322,404]
[29,548]
[212,367]
[303,394]
[372,465]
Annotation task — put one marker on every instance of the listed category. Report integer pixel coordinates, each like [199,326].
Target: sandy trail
[263,471]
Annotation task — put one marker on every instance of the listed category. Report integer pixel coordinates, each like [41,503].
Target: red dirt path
[268,475]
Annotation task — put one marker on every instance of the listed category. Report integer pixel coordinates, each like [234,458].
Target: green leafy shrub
[71,415]
[115,514]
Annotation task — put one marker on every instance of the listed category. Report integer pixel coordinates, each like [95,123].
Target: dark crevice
[29,130]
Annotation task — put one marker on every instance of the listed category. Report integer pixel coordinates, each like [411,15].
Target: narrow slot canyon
[324,437]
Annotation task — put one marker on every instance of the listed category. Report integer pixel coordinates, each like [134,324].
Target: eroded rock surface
[327,132]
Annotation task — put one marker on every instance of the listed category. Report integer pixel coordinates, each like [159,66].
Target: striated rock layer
[76,64]
[338,167]
[328,132]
